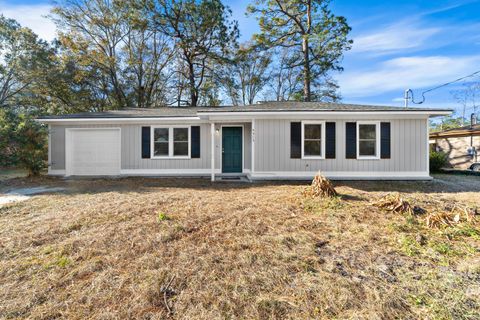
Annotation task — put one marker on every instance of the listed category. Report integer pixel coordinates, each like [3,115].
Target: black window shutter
[330,140]
[385,140]
[351,140]
[145,142]
[295,140]
[195,144]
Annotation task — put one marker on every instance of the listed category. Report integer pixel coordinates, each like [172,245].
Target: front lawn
[189,249]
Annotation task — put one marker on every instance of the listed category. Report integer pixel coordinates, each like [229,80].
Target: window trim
[322,140]
[170,142]
[377,140]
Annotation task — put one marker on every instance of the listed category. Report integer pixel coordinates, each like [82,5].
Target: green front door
[232,149]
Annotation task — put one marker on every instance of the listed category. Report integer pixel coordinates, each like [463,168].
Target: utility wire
[440,86]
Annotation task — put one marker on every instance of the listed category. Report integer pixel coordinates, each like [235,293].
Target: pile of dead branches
[439,215]
[395,203]
[320,187]
[456,214]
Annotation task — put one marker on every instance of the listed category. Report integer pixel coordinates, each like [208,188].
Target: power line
[435,88]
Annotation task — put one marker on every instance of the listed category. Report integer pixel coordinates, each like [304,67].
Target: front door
[232,158]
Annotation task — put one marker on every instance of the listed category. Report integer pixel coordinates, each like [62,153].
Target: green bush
[438,160]
[23,142]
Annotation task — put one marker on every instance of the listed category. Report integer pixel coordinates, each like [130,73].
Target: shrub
[438,160]
[23,142]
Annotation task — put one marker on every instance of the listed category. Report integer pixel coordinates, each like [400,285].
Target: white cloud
[31,16]
[406,72]
[398,99]
[405,35]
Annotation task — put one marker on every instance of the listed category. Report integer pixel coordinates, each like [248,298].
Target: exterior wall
[409,147]
[408,151]
[456,148]
[131,149]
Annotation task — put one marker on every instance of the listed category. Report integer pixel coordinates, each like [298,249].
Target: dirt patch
[180,248]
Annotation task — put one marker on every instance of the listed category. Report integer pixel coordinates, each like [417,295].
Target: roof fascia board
[455,135]
[315,116]
[125,120]
[229,116]
[311,113]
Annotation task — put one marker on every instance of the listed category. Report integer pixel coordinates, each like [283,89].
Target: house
[272,140]
[462,145]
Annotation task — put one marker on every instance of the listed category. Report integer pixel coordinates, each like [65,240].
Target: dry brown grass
[187,249]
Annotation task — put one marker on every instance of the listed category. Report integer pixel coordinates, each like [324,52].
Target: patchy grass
[162,216]
[10,173]
[153,248]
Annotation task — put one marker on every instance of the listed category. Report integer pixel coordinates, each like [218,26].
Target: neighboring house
[274,140]
[462,145]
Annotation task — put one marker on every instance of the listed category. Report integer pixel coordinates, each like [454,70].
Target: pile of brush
[320,187]
[449,216]
[395,203]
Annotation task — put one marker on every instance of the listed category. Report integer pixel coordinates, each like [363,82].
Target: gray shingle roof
[263,107]
[310,106]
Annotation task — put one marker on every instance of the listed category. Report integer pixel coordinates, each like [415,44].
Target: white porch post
[253,146]
[212,134]
[428,145]
[49,163]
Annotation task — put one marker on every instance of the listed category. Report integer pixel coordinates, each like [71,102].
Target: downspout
[473,123]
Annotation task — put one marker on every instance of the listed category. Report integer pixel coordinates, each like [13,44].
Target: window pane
[160,149]
[180,134]
[367,148]
[312,148]
[180,148]
[160,135]
[367,131]
[313,131]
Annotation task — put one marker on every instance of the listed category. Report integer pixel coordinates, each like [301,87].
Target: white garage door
[92,152]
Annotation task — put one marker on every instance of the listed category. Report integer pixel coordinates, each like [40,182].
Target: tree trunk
[306,56]
[141,96]
[306,70]
[193,90]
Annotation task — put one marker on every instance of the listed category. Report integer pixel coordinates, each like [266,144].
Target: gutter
[109,120]
[291,113]
[204,115]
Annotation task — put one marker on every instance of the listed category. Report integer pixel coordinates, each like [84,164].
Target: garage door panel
[94,152]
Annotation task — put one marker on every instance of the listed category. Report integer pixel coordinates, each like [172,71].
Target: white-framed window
[170,142]
[313,139]
[368,140]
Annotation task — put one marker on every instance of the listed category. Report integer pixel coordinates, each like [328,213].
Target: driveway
[22,194]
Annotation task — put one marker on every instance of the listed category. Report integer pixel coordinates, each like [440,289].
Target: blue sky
[397,44]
